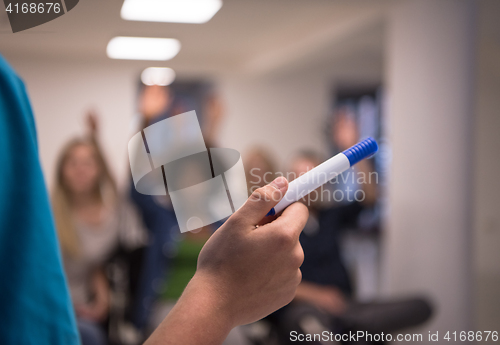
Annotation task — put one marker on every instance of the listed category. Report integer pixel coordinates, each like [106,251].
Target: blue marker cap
[361,150]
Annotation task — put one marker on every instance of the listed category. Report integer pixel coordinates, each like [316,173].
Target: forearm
[199,317]
[101,289]
[100,305]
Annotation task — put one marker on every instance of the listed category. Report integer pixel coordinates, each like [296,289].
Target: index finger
[293,219]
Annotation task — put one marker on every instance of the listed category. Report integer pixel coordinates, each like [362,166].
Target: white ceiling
[253,36]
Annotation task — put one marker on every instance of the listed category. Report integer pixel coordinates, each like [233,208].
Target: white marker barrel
[326,171]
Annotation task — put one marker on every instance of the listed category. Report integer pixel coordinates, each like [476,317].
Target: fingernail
[280,183]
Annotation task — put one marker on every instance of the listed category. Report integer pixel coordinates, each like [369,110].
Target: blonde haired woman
[91,223]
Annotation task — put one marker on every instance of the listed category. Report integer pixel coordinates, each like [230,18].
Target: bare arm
[101,301]
[244,273]
[197,318]
[98,309]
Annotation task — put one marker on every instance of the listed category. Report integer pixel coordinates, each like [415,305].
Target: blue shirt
[34,298]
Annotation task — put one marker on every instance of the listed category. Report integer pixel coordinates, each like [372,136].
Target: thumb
[261,201]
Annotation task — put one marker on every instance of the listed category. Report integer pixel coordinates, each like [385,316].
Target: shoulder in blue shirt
[34,298]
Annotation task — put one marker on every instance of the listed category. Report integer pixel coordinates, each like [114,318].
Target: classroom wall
[61,92]
[486,239]
[285,114]
[431,84]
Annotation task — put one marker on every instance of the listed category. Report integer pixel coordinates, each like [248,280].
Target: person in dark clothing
[320,239]
[323,300]
[326,288]
[156,103]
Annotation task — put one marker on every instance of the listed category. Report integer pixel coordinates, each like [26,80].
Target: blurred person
[323,299]
[213,115]
[92,222]
[182,250]
[259,168]
[325,289]
[326,283]
[156,103]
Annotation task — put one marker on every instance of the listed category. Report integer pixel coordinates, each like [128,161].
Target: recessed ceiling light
[162,76]
[143,48]
[175,11]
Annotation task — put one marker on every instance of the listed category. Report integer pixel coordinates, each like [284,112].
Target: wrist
[200,316]
[203,292]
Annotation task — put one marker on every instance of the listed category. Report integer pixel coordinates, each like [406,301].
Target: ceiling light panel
[174,11]
[143,48]
[162,76]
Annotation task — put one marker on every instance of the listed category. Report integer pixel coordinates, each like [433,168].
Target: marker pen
[326,171]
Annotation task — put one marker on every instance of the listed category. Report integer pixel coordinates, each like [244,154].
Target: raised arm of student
[244,272]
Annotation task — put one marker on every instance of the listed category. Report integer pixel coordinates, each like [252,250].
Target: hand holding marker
[324,172]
